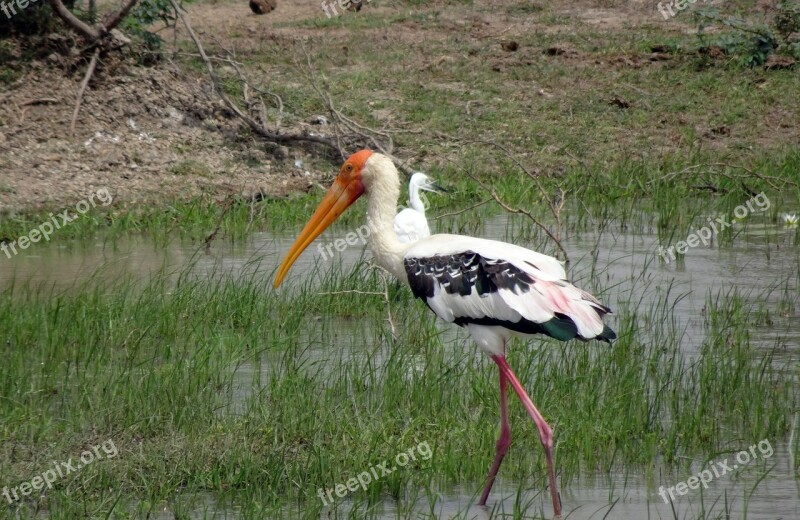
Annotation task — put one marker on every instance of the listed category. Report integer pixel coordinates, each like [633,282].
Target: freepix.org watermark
[666,8]
[717,469]
[360,235]
[350,239]
[55,223]
[704,235]
[60,470]
[8,8]
[377,472]
[329,6]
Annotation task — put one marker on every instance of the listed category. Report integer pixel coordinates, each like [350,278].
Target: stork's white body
[540,301]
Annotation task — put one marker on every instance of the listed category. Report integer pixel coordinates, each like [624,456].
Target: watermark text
[375,473]
[717,469]
[56,222]
[60,470]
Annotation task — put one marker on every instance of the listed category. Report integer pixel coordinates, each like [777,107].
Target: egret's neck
[415,200]
[382,199]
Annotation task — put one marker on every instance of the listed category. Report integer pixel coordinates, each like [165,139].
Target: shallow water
[620,266]
[627,496]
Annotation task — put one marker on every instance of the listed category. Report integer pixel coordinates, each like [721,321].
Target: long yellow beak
[339,197]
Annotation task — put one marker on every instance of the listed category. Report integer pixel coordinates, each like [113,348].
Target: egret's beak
[432,186]
[344,192]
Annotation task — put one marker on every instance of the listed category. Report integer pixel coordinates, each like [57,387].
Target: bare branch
[114,19]
[70,19]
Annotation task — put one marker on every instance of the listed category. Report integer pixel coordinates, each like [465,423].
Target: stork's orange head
[346,189]
[352,167]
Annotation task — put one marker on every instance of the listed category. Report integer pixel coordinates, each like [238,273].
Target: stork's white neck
[382,185]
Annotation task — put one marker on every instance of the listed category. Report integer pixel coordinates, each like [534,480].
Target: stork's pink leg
[545,432]
[502,442]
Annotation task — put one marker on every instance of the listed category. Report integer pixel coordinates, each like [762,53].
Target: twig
[533,219]
[555,206]
[246,84]
[351,291]
[213,234]
[194,55]
[521,167]
[768,179]
[670,175]
[454,213]
[84,83]
[382,273]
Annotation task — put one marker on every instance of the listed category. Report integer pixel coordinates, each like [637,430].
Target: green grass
[218,385]
[670,195]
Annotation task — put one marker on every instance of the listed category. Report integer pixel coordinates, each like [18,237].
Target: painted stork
[494,289]
[411,224]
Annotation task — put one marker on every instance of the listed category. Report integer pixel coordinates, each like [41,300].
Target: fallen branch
[82,89]
[254,125]
[366,133]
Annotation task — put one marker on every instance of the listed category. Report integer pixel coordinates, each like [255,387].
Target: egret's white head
[423,182]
